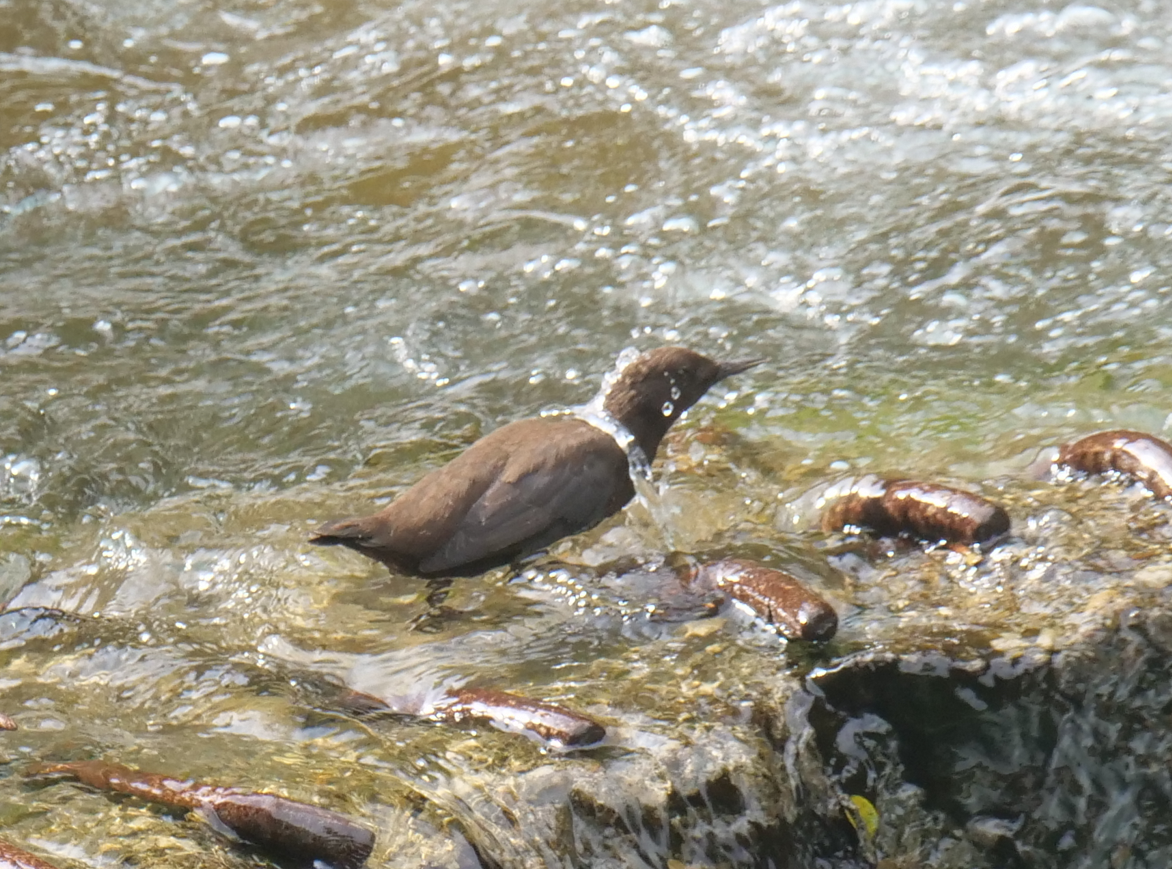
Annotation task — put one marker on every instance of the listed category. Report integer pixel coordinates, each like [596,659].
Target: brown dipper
[534,481]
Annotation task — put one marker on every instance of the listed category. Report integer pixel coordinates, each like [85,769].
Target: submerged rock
[554,724]
[551,723]
[12,857]
[706,782]
[297,832]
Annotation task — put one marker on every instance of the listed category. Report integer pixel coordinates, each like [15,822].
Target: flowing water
[264,264]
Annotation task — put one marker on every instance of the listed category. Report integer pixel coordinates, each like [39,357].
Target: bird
[528,484]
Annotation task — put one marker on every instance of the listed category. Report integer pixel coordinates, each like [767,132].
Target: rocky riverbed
[264,265]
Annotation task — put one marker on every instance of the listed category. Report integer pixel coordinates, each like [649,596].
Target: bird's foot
[436,618]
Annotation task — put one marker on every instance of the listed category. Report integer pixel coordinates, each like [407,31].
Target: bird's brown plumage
[498,500]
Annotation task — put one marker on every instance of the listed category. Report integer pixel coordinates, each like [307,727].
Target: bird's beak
[728,369]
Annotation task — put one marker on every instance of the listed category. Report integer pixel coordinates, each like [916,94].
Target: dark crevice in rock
[1031,759]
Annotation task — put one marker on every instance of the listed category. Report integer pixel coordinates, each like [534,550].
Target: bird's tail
[342,532]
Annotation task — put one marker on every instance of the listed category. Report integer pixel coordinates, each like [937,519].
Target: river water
[264,264]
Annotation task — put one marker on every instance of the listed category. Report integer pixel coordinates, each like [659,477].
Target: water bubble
[668,408]
[682,223]
[19,475]
[675,393]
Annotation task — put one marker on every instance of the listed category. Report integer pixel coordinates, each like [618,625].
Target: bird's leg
[437,592]
[437,614]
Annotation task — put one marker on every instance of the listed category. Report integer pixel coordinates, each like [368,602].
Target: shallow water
[265,264]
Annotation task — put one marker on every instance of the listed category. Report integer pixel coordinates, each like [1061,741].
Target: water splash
[593,413]
[651,497]
[648,494]
[626,356]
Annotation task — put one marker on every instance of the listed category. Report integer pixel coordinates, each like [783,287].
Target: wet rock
[720,800]
[925,511]
[1130,454]
[795,611]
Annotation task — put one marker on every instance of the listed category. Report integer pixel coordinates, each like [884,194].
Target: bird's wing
[529,506]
